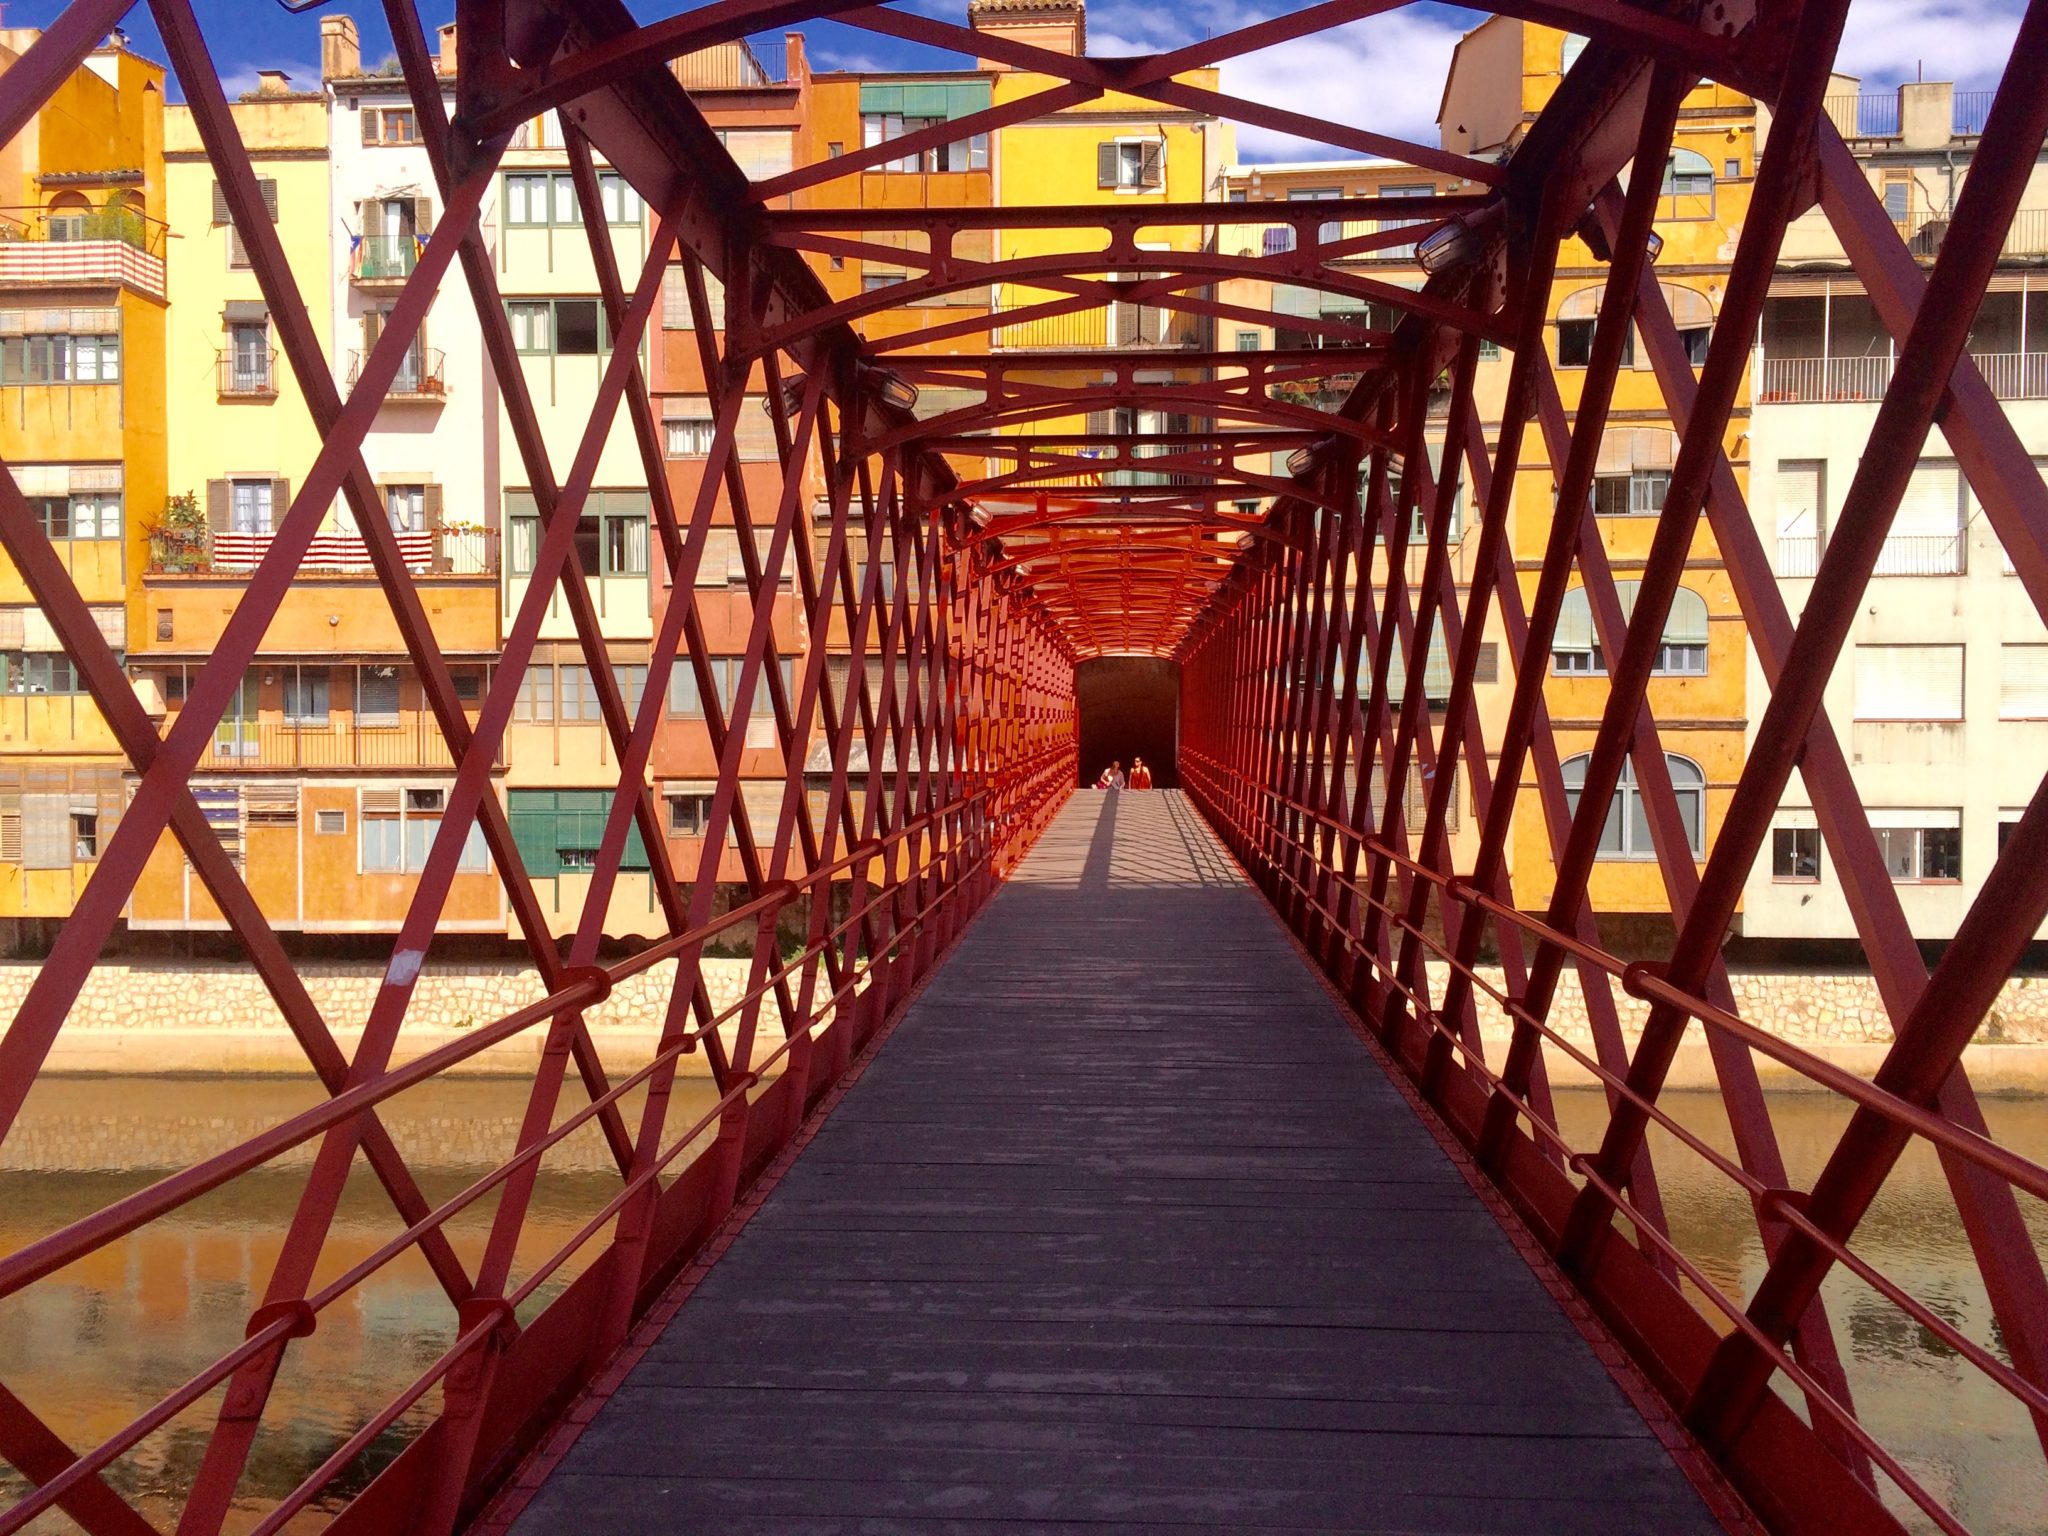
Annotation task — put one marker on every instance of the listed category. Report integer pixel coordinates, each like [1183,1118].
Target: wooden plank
[1124,1231]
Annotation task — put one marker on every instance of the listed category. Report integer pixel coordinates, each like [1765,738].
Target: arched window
[1574,45]
[1575,650]
[1575,317]
[1688,173]
[1693,315]
[70,214]
[1626,833]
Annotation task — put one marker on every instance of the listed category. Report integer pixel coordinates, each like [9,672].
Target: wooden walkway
[1123,1230]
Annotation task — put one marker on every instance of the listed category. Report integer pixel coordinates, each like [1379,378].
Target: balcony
[449,551]
[1938,554]
[412,741]
[384,260]
[1123,326]
[109,245]
[245,375]
[1808,380]
[421,378]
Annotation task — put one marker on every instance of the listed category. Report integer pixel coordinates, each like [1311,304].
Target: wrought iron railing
[239,372]
[385,258]
[422,376]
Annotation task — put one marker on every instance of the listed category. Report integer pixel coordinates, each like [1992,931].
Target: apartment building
[1502,74]
[83,243]
[1310,319]
[1941,696]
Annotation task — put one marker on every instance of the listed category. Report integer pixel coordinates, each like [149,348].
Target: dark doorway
[1130,707]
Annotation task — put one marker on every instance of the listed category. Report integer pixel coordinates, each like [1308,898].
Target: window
[1639,493]
[1681,651]
[1626,832]
[305,697]
[330,823]
[1731,170]
[49,358]
[1687,174]
[1802,515]
[79,517]
[1575,345]
[1247,341]
[1489,351]
[85,836]
[396,829]
[1568,54]
[390,125]
[685,703]
[578,695]
[540,199]
[558,327]
[969,154]
[1920,847]
[2008,824]
[689,812]
[1898,199]
[249,505]
[39,672]
[611,536]
[676,314]
[1909,682]
[1795,848]
[686,437]
[406,506]
[377,696]
[559,831]
[2023,682]
[1926,536]
[1131,165]
[534,704]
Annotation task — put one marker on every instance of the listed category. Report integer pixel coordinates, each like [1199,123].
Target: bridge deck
[1122,1230]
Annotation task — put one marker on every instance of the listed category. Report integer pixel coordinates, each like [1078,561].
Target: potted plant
[177,539]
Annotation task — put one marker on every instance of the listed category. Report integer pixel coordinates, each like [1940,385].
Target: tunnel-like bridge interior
[1170,1162]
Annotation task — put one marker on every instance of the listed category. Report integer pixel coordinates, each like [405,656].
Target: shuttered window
[559,830]
[46,831]
[2023,682]
[1909,682]
[675,301]
[1799,487]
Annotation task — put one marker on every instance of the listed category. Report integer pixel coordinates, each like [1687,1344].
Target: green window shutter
[880,98]
[532,815]
[925,101]
[964,98]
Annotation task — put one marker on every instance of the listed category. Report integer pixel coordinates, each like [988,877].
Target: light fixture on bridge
[894,389]
[792,396]
[1304,458]
[1455,242]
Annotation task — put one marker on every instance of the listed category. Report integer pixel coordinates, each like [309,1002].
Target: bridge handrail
[1027,783]
[1641,982]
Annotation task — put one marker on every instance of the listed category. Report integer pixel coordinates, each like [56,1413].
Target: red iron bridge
[1120,1161]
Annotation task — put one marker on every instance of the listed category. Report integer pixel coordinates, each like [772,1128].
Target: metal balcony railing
[125,226]
[1805,380]
[108,245]
[446,551]
[1798,554]
[246,375]
[420,377]
[1866,116]
[1904,554]
[385,258]
[1969,110]
[412,740]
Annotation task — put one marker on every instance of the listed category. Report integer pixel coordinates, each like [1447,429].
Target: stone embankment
[201,1018]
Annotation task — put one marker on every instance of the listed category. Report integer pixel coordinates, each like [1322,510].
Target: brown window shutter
[269,186]
[373,327]
[1488,670]
[10,829]
[217,505]
[1100,423]
[1129,323]
[280,500]
[220,205]
[433,503]
[422,216]
[1152,164]
[1105,163]
[369,125]
[238,253]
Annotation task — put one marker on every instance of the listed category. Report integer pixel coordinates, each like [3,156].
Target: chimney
[796,66]
[1058,26]
[341,52]
[444,62]
[273,82]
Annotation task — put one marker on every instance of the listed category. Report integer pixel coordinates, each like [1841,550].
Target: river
[93,1346]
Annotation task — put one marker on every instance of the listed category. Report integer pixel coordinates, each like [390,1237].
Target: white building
[1941,696]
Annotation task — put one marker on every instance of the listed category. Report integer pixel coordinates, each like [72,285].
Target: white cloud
[1386,74]
[1967,41]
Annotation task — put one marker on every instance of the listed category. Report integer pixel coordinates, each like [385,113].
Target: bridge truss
[984,564]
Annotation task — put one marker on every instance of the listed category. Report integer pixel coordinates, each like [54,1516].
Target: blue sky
[1385,73]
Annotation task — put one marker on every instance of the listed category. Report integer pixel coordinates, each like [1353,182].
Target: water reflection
[92,1347]
[1968,1441]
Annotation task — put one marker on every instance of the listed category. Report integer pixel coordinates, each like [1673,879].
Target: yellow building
[82,430]
[1502,75]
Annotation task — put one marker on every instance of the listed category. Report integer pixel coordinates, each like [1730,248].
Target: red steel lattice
[983,565]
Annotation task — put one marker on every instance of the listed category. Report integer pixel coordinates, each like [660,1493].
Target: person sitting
[1112,776]
[1141,776]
